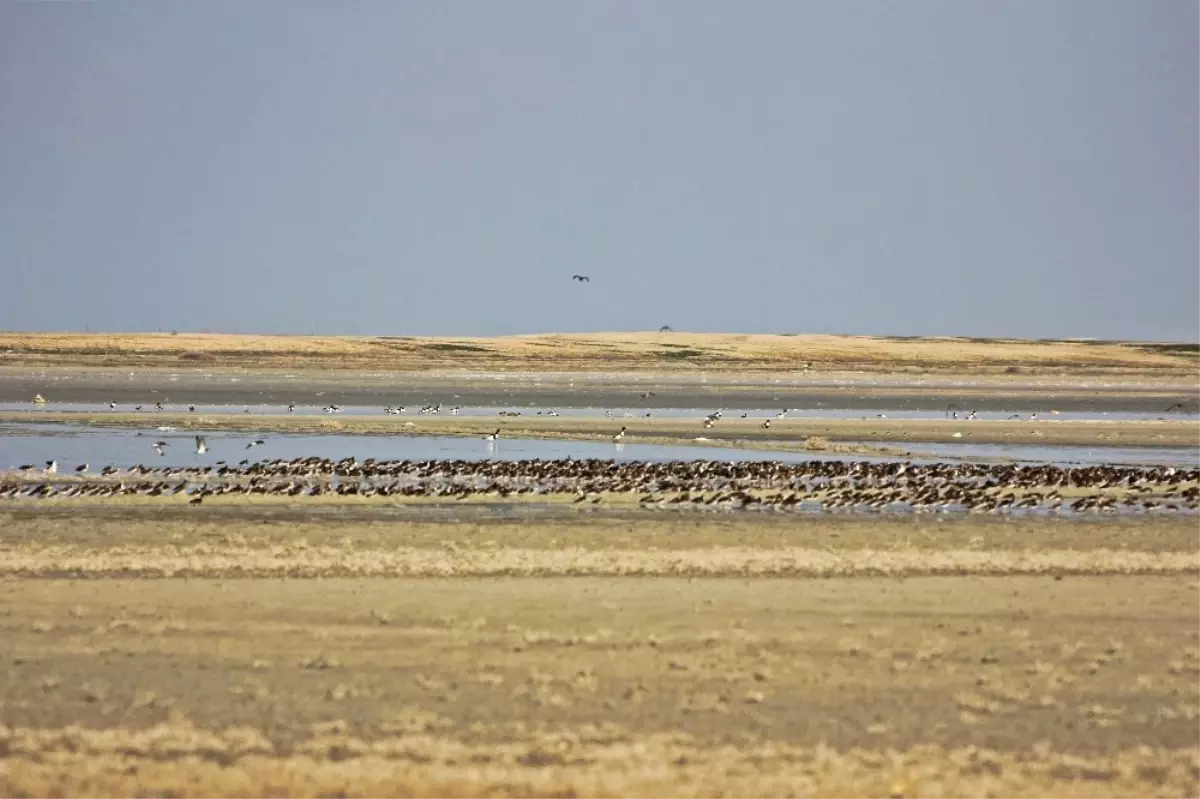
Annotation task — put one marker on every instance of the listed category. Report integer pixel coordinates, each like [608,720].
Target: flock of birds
[818,486]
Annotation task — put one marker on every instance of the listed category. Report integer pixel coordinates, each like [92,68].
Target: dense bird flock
[828,486]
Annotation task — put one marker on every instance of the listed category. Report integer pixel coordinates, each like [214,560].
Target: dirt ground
[693,674]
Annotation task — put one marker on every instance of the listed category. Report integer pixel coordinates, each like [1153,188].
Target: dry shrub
[179,759]
[198,357]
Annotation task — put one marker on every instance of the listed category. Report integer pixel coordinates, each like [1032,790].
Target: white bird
[201,445]
[783,413]
[51,467]
[39,400]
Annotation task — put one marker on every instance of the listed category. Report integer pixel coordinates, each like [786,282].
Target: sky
[949,167]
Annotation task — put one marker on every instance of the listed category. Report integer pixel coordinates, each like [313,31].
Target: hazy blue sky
[974,168]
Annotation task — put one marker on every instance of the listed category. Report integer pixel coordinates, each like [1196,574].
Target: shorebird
[158,447]
[158,406]
[581,278]
[708,423]
[38,399]
[51,467]
[112,406]
[620,435]
[766,425]
[492,436]
[783,413]
[291,407]
[665,329]
[191,408]
[81,468]
[201,445]
[258,442]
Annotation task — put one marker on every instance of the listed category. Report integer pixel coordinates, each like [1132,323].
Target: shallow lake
[71,445]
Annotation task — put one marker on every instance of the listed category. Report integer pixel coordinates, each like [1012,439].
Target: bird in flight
[581,278]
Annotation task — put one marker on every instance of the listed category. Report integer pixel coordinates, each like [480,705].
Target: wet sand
[794,434]
[594,390]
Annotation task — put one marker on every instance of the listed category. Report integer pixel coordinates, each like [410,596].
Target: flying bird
[581,278]
[158,447]
[492,436]
[665,329]
[258,442]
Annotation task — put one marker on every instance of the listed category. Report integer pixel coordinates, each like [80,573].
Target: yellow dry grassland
[289,650]
[634,351]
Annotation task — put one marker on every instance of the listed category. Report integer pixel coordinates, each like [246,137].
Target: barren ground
[280,650]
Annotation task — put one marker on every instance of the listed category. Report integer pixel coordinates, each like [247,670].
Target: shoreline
[747,433]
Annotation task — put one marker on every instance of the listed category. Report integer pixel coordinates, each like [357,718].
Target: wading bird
[620,435]
[492,436]
[201,445]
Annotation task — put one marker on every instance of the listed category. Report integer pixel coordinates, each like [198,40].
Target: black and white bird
[620,435]
[112,406]
[581,278]
[492,436]
[291,407]
[158,406]
[81,468]
[258,442]
[766,425]
[201,445]
[51,467]
[783,413]
[159,447]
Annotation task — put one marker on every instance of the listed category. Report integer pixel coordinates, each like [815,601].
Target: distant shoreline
[668,353]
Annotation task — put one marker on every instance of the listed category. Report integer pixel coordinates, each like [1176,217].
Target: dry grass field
[250,650]
[664,352]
